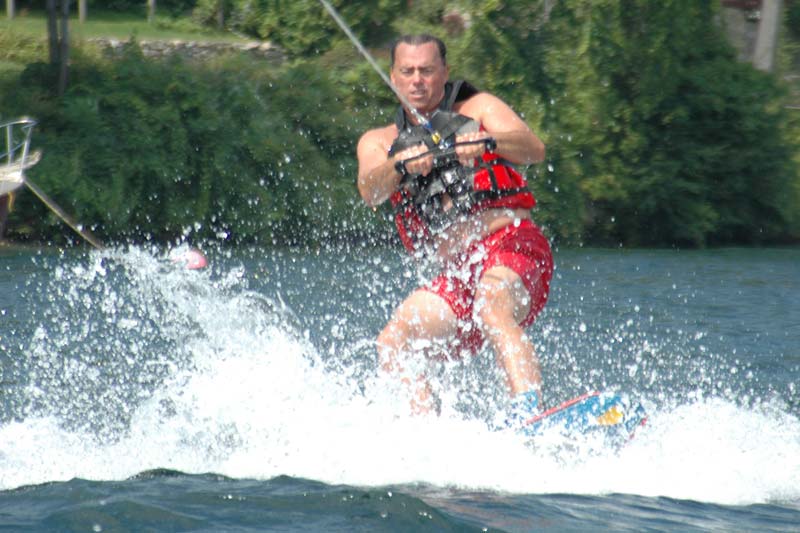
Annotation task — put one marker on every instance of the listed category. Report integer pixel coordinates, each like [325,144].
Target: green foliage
[678,142]
[21,49]
[793,18]
[148,149]
[173,7]
[301,27]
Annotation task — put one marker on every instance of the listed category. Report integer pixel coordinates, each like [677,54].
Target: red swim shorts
[521,248]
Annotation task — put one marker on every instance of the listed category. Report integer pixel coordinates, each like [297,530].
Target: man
[495,264]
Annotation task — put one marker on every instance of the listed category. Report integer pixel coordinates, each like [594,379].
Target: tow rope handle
[442,156]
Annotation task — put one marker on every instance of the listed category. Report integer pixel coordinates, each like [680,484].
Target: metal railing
[16,156]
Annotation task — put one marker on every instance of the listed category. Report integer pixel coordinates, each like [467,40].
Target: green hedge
[676,141]
[145,149]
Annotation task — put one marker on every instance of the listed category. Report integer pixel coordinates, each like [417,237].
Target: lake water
[138,396]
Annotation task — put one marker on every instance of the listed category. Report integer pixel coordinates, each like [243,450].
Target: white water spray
[250,398]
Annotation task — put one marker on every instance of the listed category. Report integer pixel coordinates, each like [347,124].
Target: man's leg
[423,318]
[501,303]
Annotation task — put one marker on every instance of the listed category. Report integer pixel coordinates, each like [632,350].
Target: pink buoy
[192,259]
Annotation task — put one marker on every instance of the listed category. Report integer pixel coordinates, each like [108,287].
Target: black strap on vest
[444,121]
[454,91]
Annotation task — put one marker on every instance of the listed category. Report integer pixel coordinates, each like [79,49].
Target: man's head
[419,70]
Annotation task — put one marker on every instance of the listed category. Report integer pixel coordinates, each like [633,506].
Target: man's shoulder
[480,105]
[383,134]
[479,99]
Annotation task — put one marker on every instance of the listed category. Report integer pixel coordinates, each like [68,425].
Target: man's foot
[522,409]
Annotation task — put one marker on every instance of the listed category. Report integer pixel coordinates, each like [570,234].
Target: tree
[52,30]
[677,142]
[10,8]
[151,10]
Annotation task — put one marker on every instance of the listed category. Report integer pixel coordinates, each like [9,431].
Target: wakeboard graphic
[615,415]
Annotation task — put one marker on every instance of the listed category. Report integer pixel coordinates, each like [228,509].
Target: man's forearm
[378,184]
[520,147]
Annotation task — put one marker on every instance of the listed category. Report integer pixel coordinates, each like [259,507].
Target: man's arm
[515,140]
[377,176]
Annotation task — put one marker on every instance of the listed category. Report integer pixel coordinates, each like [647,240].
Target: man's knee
[494,305]
[391,340]
[491,321]
[502,299]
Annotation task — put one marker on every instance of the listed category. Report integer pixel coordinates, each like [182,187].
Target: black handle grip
[443,156]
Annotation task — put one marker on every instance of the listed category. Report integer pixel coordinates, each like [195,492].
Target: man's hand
[414,164]
[467,153]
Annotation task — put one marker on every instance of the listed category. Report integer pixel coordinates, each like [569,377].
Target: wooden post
[5,203]
[766,42]
[63,67]
[52,30]
[10,9]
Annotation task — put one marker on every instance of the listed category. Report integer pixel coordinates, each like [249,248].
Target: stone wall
[196,50]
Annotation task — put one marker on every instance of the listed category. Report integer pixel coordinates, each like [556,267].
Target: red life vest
[490,183]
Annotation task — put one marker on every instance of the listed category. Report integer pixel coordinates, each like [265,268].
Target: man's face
[419,75]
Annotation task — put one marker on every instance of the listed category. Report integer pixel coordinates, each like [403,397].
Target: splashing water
[135,364]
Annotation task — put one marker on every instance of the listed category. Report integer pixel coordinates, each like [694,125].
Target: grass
[120,26]
[10,67]
[23,40]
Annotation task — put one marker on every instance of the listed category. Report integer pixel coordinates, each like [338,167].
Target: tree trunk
[52,31]
[220,14]
[151,10]
[766,42]
[58,39]
[11,12]
[82,11]
[63,70]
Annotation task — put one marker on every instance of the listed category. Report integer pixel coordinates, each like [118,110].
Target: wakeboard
[612,414]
